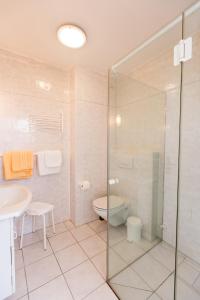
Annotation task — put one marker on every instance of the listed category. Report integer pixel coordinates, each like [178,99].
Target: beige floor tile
[129,251]
[21,288]
[197,285]
[115,263]
[98,225]
[70,257]
[193,264]
[130,278]
[165,254]
[24,298]
[185,292]
[62,241]
[42,272]
[31,238]
[55,289]
[151,271]
[187,273]
[100,263]
[35,252]
[147,245]
[154,297]
[93,245]
[83,279]
[60,228]
[166,290]
[130,293]
[69,225]
[103,235]
[104,292]
[117,234]
[82,232]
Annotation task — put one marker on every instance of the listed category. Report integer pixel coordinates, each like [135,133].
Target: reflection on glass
[143,156]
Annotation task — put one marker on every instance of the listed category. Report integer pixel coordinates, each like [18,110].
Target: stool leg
[33,223]
[22,232]
[53,223]
[44,232]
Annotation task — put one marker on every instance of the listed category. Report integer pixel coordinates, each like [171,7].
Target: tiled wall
[135,143]
[21,94]
[89,141]
[28,87]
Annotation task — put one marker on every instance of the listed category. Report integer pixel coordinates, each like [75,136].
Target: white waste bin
[134,229]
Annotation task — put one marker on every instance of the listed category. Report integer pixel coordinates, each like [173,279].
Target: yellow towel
[18,165]
[22,160]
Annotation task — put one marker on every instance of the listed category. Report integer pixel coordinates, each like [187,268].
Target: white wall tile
[21,96]
[89,142]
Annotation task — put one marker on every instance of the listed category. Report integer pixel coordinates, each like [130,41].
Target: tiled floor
[122,252]
[72,268]
[151,275]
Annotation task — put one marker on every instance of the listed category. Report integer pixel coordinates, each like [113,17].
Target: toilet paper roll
[85,185]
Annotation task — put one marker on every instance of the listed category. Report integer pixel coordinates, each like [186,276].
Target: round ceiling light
[71,36]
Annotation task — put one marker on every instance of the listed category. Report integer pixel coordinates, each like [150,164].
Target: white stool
[38,209]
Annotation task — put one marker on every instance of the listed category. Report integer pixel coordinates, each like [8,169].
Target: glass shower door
[188,262]
[143,152]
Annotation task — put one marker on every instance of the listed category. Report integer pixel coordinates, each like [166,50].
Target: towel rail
[35,154]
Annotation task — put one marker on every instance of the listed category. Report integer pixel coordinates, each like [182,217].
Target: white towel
[53,159]
[43,169]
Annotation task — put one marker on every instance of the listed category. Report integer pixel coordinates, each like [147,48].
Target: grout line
[94,290]
[129,264]
[133,287]
[88,259]
[161,263]
[25,274]
[196,279]
[93,263]
[27,265]
[64,272]
[154,293]
[91,102]
[35,289]
[74,243]
[84,238]
[172,273]
[38,97]
[189,285]
[61,271]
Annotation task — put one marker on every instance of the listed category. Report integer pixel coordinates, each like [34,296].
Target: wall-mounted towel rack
[35,154]
[50,123]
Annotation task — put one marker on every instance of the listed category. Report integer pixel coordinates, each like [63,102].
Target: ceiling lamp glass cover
[71,36]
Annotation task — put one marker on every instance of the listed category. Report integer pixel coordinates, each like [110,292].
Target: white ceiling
[114,27]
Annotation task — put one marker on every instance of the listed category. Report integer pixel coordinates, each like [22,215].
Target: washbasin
[14,200]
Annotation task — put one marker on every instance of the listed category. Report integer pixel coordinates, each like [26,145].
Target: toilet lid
[114,201]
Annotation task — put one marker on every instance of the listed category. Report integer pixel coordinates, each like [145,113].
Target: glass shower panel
[188,263]
[143,167]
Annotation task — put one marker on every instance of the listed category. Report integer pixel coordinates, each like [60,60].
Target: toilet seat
[118,209]
[114,202]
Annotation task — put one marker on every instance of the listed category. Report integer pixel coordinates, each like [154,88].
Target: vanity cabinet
[7,259]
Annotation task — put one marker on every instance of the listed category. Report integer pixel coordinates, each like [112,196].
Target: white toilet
[118,209]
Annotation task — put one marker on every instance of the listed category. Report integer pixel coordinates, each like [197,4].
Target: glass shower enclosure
[154,167]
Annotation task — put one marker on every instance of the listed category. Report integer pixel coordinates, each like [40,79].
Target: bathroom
[99,166]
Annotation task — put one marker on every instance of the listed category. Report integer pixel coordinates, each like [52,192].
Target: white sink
[14,200]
